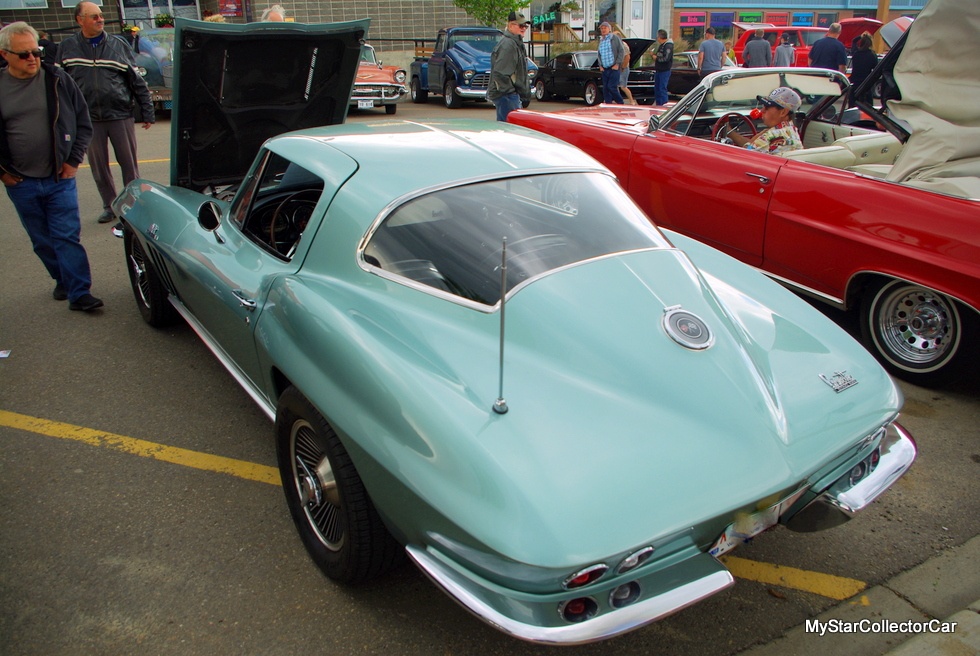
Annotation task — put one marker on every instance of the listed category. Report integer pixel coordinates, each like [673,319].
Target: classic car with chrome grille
[479,352]
[884,223]
[377,85]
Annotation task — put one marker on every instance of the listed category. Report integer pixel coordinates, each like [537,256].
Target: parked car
[684,74]
[577,75]
[853,219]
[377,85]
[802,37]
[154,60]
[354,279]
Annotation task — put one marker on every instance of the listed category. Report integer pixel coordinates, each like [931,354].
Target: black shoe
[86,303]
[106,217]
[59,293]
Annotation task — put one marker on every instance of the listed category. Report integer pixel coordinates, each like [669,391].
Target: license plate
[749,526]
[365,104]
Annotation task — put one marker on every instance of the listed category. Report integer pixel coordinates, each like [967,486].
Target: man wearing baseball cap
[780,135]
[508,69]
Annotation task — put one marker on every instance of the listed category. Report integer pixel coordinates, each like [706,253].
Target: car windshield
[587,59]
[480,42]
[367,55]
[451,240]
[696,114]
[812,36]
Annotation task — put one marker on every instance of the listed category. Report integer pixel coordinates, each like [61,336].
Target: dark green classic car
[479,352]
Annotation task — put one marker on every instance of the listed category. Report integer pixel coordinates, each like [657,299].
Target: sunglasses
[30,53]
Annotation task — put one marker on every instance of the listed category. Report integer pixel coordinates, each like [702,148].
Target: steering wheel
[290,229]
[726,118]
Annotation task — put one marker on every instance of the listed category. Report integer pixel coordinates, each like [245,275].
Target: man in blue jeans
[44,131]
[611,55]
[663,67]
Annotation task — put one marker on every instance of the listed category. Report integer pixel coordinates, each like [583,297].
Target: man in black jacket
[104,67]
[665,60]
[44,130]
[508,87]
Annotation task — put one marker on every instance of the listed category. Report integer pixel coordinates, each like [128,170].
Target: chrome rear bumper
[842,500]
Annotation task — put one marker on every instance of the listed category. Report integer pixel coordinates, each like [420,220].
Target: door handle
[762,179]
[243,301]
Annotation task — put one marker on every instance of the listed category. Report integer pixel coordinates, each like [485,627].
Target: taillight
[634,560]
[578,610]
[624,595]
[584,577]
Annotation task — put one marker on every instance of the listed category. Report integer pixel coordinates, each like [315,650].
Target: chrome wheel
[916,324]
[591,94]
[137,264]
[316,486]
[917,333]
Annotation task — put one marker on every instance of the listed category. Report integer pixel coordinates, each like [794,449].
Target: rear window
[451,240]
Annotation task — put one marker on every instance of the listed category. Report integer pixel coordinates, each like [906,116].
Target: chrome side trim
[223,358]
[803,289]
[603,626]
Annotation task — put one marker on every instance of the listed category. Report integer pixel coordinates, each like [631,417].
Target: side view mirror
[209,216]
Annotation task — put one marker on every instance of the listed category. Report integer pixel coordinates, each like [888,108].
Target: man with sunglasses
[780,135]
[44,130]
[104,68]
[508,88]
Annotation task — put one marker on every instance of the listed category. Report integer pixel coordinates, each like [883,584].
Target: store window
[722,22]
[692,26]
[824,20]
[142,12]
[779,19]
[804,20]
[750,17]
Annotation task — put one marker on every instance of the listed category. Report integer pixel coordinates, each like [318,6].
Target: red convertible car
[886,223]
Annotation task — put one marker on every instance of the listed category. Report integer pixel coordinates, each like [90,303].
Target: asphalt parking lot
[138,511]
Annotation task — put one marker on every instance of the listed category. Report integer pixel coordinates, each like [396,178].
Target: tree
[491,12]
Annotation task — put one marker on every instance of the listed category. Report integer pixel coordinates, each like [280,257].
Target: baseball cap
[605,24]
[782,97]
[517,17]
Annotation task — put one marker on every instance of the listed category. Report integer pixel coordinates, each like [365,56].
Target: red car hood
[627,115]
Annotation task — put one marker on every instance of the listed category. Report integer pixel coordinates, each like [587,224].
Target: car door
[716,193]
[561,68]
[586,68]
[230,268]
[437,63]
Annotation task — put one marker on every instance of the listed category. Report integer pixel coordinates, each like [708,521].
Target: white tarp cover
[939,76]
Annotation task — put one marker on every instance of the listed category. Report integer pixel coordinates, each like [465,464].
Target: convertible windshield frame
[447,240]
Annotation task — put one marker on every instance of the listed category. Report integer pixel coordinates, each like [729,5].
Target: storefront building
[563,20]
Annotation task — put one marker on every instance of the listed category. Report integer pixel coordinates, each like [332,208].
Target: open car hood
[850,28]
[637,49]
[930,90]
[238,85]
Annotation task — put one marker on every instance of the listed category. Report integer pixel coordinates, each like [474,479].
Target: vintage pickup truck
[459,67]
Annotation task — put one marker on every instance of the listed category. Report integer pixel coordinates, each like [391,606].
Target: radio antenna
[500,406]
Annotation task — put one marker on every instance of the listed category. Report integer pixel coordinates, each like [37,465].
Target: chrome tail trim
[712,578]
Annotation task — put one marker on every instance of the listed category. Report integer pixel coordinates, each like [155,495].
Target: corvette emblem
[686,329]
[840,381]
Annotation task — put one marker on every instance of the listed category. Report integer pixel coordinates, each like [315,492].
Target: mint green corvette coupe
[478,352]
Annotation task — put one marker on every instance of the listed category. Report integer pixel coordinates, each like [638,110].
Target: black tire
[150,293]
[337,523]
[391,109]
[453,99]
[592,94]
[918,334]
[419,95]
[541,91]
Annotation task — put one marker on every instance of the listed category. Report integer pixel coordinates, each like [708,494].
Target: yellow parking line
[142,161]
[195,459]
[825,585]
